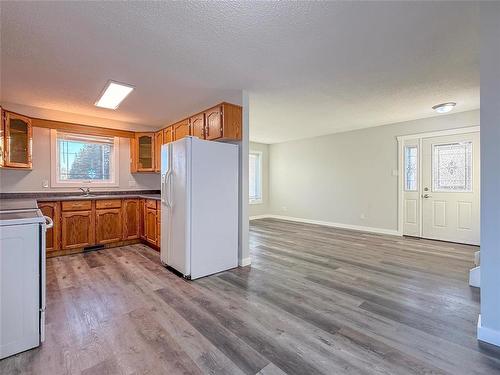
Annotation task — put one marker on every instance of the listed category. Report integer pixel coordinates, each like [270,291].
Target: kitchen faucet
[86,191]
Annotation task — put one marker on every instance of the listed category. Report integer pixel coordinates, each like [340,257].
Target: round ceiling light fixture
[444,107]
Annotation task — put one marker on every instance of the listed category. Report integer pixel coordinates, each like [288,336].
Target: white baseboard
[475,277]
[477,258]
[258,217]
[488,335]
[360,228]
[245,262]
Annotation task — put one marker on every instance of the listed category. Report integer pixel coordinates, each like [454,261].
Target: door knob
[426,196]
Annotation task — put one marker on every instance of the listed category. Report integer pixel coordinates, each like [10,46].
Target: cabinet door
[198,125]
[167,135]
[2,137]
[145,152]
[181,129]
[142,218]
[213,120]
[18,141]
[232,118]
[77,229]
[151,226]
[108,225]
[158,142]
[133,155]
[131,217]
[52,210]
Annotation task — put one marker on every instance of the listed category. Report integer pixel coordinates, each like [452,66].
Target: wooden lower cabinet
[131,219]
[151,226]
[77,229]
[108,225]
[81,224]
[52,210]
[142,218]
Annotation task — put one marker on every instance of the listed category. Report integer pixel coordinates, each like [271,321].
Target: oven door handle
[48,222]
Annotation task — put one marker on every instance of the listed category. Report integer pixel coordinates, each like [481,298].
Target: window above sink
[83,160]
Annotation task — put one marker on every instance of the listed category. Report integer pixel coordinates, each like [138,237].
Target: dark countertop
[17,204]
[14,201]
[97,197]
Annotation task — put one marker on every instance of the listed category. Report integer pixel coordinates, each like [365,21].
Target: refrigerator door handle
[163,192]
[170,190]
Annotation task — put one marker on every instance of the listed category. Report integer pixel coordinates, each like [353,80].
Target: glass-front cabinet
[16,141]
[142,152]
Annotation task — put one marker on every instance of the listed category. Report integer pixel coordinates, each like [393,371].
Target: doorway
[440,186]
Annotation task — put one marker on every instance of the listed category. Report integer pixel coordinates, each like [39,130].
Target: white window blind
[255,177]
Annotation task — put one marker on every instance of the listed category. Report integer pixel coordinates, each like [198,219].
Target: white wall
[489,330]
[340,177]
[17,181]
[262,208]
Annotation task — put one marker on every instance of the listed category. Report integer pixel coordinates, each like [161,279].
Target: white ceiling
[310,68]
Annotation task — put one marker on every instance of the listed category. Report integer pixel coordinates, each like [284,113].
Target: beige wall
[262,208]
[16,181]
[347,178]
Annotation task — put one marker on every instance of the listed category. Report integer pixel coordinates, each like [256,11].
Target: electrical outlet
[284,208]
[45,183]
[132,183]
[395,172]
[362,216]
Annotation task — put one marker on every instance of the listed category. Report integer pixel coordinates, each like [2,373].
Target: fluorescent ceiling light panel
[113,94]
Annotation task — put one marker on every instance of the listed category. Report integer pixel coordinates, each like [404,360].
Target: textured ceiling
[310,68]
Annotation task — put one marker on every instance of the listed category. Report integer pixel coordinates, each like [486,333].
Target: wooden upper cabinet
[18,140]
[213,128]
[52,210]
[223,122]
[142,153]
[131,219]
[158,142]
[180,129]
[197,124]
[77,229]
[108,223]
[167,135]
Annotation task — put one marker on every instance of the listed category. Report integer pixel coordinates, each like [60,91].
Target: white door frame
[419,136]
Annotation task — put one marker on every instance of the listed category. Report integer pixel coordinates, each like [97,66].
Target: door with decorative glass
[450,188]
[411,188]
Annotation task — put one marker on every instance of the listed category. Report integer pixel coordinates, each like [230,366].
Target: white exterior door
[411,188]
[450,188]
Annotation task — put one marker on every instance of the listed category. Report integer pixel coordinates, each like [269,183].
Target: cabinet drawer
[108,203]
[151,203]
[76,205]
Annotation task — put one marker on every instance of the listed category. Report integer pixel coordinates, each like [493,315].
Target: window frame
[54,164]
[417,172]
[260,182]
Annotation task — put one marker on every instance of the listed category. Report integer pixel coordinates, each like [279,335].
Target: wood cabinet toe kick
[81,225]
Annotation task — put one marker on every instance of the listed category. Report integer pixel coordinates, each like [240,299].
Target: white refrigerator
[199,207]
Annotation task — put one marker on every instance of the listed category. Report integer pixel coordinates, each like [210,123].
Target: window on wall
[255,177]
[452,167]
[84,160]
[411,168]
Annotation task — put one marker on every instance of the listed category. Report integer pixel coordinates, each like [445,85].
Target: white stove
[22,278]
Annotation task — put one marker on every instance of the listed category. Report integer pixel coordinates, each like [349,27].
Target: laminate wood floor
[316,300]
